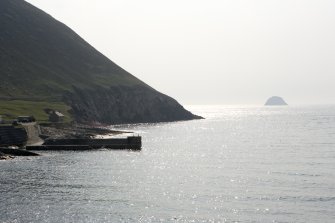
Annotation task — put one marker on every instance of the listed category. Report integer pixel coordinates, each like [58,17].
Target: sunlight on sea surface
[240,164]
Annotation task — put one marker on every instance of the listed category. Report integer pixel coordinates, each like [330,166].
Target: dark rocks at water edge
[43,60]
[75,131]
[10,153]
[4,156]
[275,101]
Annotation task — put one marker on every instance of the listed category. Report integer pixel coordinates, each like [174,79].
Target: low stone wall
[134,143]
[13,136]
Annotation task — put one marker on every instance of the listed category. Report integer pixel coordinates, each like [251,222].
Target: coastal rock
[275,101]
[5,156]
[77,131]
[125,104]
[16,152]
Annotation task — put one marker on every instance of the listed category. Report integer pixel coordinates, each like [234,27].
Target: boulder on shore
[5,156]
[275,101]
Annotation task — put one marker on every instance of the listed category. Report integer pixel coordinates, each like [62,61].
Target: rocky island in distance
[275,101]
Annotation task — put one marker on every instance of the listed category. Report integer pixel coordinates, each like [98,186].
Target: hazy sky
[214,51]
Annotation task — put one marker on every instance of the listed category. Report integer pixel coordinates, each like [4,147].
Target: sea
[239,164]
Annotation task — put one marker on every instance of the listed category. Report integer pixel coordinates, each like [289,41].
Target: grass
[9,110]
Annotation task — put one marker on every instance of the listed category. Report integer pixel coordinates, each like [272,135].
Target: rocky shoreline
[4,156]
[75,131]
[11,151]
[57,131]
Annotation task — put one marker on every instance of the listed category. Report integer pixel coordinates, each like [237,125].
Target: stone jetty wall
[13,136]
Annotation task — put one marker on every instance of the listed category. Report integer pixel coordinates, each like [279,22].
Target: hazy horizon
[217,52]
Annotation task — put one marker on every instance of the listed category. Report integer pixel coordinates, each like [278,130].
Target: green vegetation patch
[12,109]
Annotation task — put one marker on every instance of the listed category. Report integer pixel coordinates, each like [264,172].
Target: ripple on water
[241,164]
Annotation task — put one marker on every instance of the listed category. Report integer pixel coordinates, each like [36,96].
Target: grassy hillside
[44,64]
[11,109]
[41,57]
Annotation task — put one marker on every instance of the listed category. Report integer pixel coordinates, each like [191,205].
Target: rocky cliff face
[125,104]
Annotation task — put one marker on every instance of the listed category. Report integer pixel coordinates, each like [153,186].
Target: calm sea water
[240,164]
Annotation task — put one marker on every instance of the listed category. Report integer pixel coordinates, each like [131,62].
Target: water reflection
[240,164]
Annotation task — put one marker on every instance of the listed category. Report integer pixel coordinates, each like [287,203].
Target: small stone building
[56,116]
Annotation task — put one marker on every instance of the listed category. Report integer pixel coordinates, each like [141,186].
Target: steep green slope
[41,59]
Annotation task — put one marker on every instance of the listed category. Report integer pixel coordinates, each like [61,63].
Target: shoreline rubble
[78,131]
[47,132]
[4,156]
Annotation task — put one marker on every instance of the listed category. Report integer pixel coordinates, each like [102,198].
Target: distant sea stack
[42,60]
[275,101]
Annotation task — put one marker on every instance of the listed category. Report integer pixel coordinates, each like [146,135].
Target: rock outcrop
[16,152]
[275,101]
[125,104]
[5,156]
